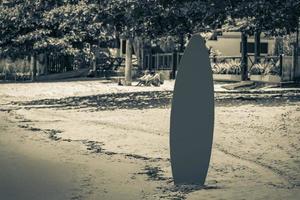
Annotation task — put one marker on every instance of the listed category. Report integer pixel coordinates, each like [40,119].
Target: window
[250,47]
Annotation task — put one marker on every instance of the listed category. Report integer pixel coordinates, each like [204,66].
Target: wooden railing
[265,59]
[170,61]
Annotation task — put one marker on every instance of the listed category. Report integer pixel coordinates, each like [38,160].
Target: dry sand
[111,142]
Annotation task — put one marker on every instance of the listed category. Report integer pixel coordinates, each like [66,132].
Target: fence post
[128,62]
[33,67]
[280,65]
[149,60]
[257,47]
[142,55]
[296,53]
[157,61]
[244,57]
[295,62]
[50,64]
[46,64]
[174,65]
[94,60]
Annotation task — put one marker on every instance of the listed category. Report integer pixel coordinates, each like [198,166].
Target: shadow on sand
[153,99]
[137,100]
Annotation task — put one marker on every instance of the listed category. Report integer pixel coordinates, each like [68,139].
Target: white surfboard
[192,115]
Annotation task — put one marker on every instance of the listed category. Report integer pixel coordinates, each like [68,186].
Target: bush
[219,68]
[229,67]
[273,69]
[266,68]
[14,69]
[106,65]
[233,67]
[258,69]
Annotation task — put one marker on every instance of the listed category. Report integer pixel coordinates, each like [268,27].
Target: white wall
[229,44]
[227,47]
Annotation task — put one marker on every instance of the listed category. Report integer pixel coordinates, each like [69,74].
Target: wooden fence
[21,69]
[170,61]
[59,64]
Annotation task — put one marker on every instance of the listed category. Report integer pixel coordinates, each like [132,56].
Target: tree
[51,27]
[131,19]
[29,27]
[65,26]
[157,18]
[20,28]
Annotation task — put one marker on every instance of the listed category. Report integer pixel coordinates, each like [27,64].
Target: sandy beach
[97,140]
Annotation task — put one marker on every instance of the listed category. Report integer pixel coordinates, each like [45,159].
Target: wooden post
[157,61]
[128,62]
[137,50]
[142,52]
[296,54]
[50,67]
[174,65]
[280,64]
[46,64]
[118,45]
[143,55]
[244,64]
[257,47]
[150,60]
[94,60]
[33,67]
[295,62]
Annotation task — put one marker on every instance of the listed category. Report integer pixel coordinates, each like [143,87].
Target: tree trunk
[128,62]
[33,67]
[244,63]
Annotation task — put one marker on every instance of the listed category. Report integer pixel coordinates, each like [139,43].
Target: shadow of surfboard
[192,116]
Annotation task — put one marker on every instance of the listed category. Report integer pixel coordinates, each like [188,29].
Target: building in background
[229,44]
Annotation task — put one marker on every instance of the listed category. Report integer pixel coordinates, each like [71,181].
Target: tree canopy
[274,17]
[50,26]
[67,26]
